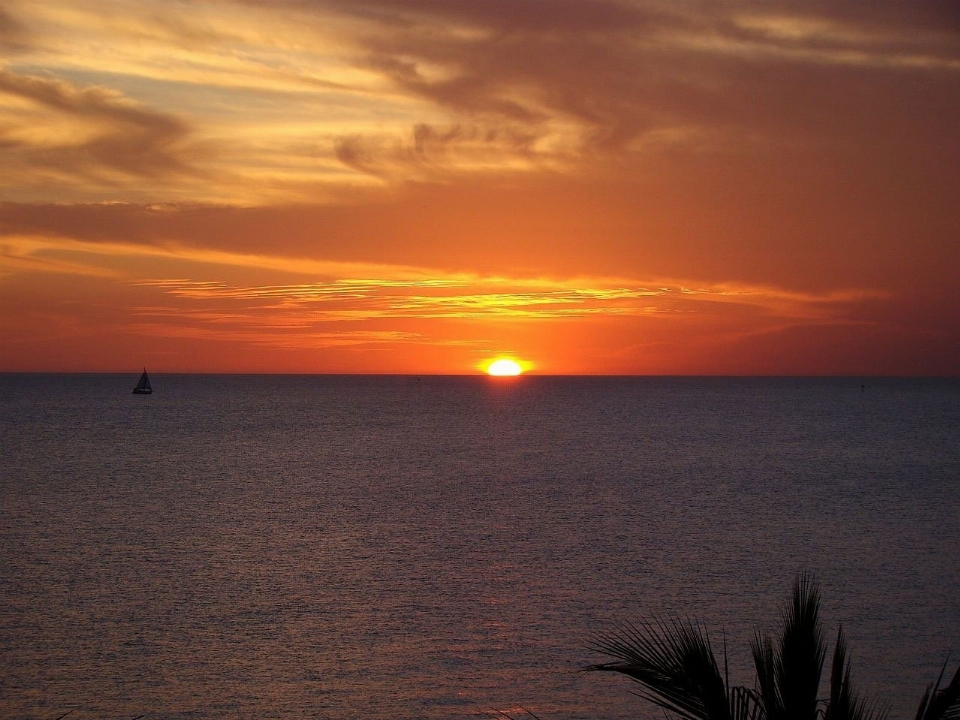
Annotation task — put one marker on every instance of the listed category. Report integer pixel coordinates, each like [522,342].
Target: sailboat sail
[143,387]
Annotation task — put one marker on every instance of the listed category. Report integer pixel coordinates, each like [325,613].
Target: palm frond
[802,651]
[676,669]
[674,664]
[764,659]
[844,703]
[745,704]
[942,704]
[788,675]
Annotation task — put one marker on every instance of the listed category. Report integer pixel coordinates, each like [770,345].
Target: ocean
[394,548]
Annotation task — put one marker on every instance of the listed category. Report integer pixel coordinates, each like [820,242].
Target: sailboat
[143,387]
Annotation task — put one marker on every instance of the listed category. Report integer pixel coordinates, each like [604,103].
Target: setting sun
[504,367]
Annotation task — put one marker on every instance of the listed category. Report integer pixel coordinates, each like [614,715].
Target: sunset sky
[419,186]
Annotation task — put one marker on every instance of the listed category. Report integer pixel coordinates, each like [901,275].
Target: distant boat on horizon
[143,387]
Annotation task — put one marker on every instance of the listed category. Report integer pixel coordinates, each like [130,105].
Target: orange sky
[417,186]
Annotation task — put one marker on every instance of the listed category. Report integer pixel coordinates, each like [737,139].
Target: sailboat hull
[143,387]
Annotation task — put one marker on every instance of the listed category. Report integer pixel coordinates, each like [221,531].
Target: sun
[503,367]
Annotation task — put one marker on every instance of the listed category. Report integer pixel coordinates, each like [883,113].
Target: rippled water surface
[393,547]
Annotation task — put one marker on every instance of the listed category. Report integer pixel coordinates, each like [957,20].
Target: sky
[420,186]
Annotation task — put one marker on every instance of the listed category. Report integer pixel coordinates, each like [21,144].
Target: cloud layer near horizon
[803,157]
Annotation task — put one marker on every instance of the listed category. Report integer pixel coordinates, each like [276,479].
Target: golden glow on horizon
[504,367]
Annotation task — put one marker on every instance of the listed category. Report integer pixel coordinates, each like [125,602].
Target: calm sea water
[393,547]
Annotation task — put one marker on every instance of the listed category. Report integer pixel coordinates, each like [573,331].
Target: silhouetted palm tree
[941,704]
[676,668]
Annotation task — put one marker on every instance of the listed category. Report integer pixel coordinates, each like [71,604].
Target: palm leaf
[674,664]
[745,704]
[941,704]
[844,703]
[788,675]
[676,669]
[764,659]
[802,652]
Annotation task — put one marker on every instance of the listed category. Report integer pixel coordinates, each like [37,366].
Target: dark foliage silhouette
[676,668]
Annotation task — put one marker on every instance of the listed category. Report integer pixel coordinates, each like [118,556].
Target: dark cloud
[431,151]
[780,72]
[13,34]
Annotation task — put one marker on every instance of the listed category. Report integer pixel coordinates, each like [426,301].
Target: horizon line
[770,376]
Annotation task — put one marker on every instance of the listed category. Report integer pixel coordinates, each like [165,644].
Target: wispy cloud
[239,331]
[490,298]
[56,133]
[287,101]
[457,297]
[48,249]
[362,304]
[13,34]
